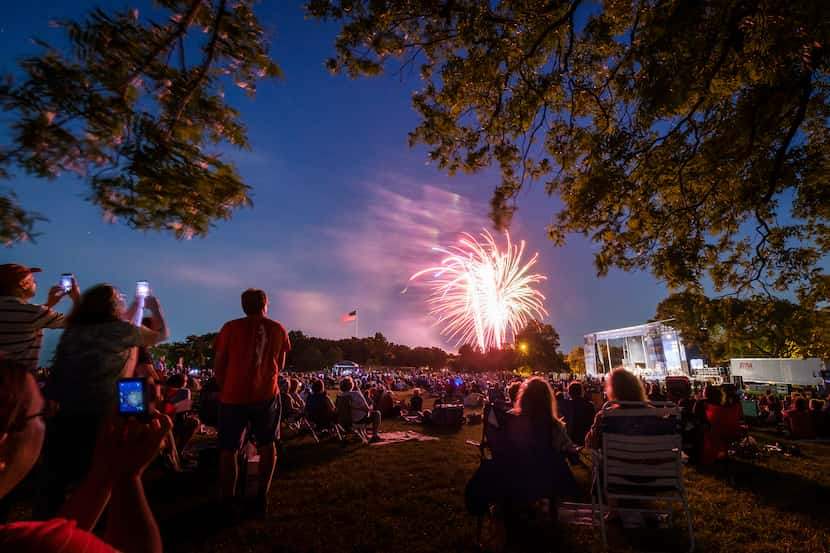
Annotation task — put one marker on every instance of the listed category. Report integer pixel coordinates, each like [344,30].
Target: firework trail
[479,293]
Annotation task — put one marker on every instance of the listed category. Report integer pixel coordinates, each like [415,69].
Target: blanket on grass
[405,436]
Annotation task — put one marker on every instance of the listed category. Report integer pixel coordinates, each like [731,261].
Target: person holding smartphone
[123,450]
[98,347]
[23,322]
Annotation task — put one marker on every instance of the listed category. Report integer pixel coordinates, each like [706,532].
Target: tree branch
[181,30]
[201,72]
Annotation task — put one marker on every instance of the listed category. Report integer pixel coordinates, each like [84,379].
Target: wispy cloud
[210,278]
[310,311]
[376,251]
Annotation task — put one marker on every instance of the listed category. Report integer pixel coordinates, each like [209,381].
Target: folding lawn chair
[638,467]
[518,468]
[345,424]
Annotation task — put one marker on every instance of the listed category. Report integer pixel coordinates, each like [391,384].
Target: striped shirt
[21,329]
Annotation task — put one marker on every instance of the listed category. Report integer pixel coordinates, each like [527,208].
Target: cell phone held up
[133,398]
[67,281]
[142,289]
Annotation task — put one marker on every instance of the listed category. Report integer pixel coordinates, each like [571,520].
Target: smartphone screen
[66,282]
[142,289]
[131,397]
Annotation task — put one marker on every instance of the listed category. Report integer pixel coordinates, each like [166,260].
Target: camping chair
[517,470]
[317,427]
[639,461]
[345,424]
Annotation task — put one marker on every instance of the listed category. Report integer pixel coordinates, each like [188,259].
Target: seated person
[620,385]
[723,413]
[185,423]
[319,409]
[513,392]
[291,410]
[294,392]
[798,421]
[655,393]
[122,454]
[387,405]
[820,418]
[578,413]
[361,412]
[416,402]
[529,464]
[474,399]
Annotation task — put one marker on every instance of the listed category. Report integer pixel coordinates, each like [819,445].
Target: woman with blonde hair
[621,385]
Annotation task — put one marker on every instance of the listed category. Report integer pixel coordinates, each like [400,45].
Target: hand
[125,447]
[152,303]
[75,293]
[56,294]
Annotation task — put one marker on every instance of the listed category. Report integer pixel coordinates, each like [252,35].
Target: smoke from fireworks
[479,293]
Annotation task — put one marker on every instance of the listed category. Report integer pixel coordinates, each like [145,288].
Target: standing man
[249,355]
[21,322]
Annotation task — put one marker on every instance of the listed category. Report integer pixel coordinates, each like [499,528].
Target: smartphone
[132,398]
[142,289]
[67,279]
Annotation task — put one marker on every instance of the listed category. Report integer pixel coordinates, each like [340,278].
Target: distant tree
[311,353]
[469,358]
[195,351]
[136,106]
[538,345]
[576,360]
[688,138]
[758,326]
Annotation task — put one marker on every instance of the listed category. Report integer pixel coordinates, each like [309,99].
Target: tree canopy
[136,106]
[758,326]
[687,138]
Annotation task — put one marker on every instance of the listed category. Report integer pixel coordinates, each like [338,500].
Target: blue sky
[344,211]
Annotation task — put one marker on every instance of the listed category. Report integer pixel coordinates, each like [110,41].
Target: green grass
[409,497]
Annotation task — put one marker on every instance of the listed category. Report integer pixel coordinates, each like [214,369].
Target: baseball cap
[11,274]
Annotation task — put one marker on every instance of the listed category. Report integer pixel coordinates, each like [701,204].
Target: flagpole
[356,335]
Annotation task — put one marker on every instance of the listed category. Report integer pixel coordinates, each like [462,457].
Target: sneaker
[375,439]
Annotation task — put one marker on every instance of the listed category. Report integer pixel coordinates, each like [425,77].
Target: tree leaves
[686,138]
[758,326]
[138,123]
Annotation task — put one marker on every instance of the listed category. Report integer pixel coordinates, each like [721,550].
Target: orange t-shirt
[251,349]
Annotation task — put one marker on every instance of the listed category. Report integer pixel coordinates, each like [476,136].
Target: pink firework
[479,293]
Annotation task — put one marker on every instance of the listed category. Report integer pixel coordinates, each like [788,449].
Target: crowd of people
[91,457]
[92,454]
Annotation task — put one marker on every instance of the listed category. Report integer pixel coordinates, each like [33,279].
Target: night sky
[344,210]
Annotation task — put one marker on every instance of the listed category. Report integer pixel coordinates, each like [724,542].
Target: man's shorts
[263,416]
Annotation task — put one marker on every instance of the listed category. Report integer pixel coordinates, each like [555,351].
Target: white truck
[794,372]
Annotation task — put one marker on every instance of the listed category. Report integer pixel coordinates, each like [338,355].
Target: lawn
[408,498]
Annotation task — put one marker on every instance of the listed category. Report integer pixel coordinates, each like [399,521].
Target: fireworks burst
[479,293]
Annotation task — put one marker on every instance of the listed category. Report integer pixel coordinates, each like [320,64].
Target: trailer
[793,372]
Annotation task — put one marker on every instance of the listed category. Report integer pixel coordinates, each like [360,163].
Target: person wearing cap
[21,322]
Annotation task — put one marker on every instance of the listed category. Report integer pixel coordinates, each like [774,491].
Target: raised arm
[159,332]
[123,451]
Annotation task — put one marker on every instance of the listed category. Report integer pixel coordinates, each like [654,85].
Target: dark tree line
[311,353]
[536,348]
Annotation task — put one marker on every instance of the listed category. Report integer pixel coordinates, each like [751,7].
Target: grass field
[408,498]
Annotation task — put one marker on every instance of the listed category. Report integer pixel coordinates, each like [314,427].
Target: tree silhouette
[125,109]
[688,138]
